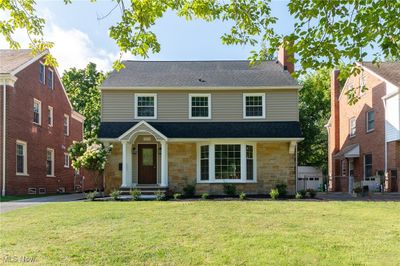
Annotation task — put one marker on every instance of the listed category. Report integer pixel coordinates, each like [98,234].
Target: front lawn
[204,232]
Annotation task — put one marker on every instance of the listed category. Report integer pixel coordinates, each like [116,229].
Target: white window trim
[66,155]
[52,79]
[137,95]
[211,162]
[263,105]
[44,73]
[52,162]
[40,111]
[355,126]
[51,111]
[366,122]
[66,116]
[25,149]
[364,166]
[190,105]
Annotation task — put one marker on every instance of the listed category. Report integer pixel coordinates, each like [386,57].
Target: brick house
[37,126]
[202,123]
[364,138]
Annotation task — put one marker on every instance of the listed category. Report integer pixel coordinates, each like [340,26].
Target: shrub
[311,193]
[357,190]
[242,196]
[230,189]
[177,196]
[274,193]
[282,189]
[299,195]
[302,193]
[159,195]
[136,194]
[189,190]
[115,194]
[205,196]
[91,195]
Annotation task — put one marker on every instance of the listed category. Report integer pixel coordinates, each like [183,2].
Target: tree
[325,32]
[90,155]
[314,114]
[82,89]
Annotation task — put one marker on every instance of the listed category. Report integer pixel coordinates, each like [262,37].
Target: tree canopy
[82,89]
[325,33]
[314,114]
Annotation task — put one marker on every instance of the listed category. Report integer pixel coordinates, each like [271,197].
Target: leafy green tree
[82,89]
[324,34]
[314,114]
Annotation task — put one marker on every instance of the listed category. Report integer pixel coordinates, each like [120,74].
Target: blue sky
[80,37]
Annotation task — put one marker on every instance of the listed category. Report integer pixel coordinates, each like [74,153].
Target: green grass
[205,232]
[12,198]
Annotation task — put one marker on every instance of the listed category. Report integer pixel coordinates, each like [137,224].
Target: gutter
[3,181]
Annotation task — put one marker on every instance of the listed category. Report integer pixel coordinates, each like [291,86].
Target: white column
[126,164]
[164,163]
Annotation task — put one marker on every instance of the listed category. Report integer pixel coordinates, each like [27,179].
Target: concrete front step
[149,190]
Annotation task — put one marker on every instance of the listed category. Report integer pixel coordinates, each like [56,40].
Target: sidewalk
[339,196]
[13,205]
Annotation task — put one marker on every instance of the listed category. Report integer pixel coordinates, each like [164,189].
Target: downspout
[3,181]
[385,144]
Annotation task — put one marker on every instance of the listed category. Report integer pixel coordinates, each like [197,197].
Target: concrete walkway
[338,196]
[13,205]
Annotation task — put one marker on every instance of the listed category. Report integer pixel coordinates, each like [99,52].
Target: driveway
[13,205]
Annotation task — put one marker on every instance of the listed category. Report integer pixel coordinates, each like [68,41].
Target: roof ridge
[191,61]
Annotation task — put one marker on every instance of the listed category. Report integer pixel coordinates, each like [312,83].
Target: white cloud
[72,47]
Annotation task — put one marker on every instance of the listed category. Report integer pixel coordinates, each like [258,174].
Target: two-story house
[201,122]
[38,124]
[364,138]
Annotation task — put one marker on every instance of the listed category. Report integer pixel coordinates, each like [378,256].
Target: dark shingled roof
[199,74]
[210,129]
[388,70]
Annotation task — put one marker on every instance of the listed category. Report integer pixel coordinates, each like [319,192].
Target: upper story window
[50,79]
[352,127]
[66,125]
[21,158]
[254,105]
[200,106]
[37,111]
[370,120]
[146,105]
[50,116]
[50,162]
[42,73]
[367,166]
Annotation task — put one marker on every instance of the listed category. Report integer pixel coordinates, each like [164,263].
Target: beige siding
[281,105]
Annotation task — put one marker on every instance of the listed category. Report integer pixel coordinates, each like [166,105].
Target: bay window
[230,162]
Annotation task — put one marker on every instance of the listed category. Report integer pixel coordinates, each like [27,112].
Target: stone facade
[112,174]
[274,166]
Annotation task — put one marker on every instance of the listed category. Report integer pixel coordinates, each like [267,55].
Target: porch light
[134,150]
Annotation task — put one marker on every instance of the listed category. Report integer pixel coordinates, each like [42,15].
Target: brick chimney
[335,119]
[286,59]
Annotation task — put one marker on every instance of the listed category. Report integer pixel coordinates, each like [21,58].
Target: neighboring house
[207,123]
[364,138]
[37,126]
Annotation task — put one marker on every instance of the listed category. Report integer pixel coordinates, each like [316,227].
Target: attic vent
[201,80]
